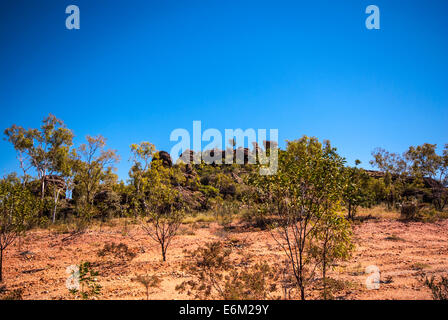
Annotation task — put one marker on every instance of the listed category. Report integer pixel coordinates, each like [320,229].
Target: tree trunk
[324,276]
[56,198]
[163,252]
[42,191]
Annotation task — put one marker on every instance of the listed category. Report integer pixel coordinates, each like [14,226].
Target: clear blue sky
[136,70]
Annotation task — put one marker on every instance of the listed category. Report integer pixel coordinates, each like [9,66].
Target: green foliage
[356,190]
[93,167]
[161,205]
[257,282]
[378,190]
[425,162]
[307,188]
[88,281]
[333,243]
[47,149]
[18,211]
[420,170]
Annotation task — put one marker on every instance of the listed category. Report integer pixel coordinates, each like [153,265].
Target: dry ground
[400,249]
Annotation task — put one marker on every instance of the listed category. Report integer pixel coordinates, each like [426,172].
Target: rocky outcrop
[165,157]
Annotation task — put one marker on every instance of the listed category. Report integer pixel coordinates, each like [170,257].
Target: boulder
[165,157]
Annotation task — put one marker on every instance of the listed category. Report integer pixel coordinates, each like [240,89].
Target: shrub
[149,282]
[15,294]
[215,277]
[439,288]
[86,277]
[409,211]
[119,251]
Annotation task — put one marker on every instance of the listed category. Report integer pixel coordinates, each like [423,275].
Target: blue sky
[136,70]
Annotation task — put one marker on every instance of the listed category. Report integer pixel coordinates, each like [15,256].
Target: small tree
[18,208]
[162,205]
[308,182]
[356,190]
[149,282]
[334,243]
[142,155]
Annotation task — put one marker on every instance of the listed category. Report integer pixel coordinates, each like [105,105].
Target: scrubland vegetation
[308,214]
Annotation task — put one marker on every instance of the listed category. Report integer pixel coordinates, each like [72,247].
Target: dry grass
[379,212]
[200,217]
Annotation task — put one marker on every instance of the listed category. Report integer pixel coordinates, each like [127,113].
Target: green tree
[93,167]
[356,190]
[425,162]
[396,169]
[46,149]
[142,155]
[308,185]
[161,206]
[18,209]
[334,242]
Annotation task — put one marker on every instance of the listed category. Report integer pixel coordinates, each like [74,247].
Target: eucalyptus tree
[45,149]
[356,190]
[93,166]
[163,205]
[305,191]
[425,162]
[396,169]
[18,209]
[142,155]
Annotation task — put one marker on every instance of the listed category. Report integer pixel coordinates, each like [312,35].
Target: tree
[334,242]
[142,155]
[425,162]
[46,149]
[161,204]
[396,169]
[308,185]
[18,208]
[93,166]
[356,190]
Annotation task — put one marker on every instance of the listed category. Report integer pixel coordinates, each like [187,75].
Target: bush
[86,278]
[15,294]
[119,251]
[439,289]
[215,277]
[149,282]
[409,211]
